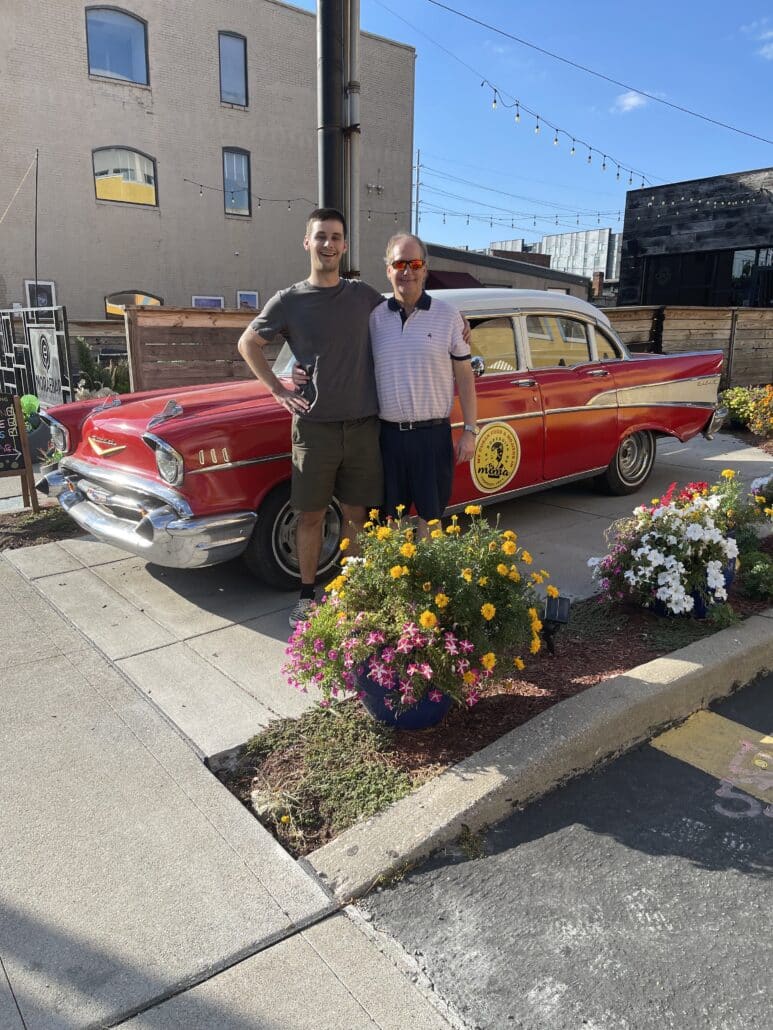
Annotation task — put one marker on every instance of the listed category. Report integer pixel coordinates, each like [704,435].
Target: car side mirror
[478,366]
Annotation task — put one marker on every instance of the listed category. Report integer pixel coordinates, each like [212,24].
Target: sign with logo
[45,364]
[496,459]
[14,448]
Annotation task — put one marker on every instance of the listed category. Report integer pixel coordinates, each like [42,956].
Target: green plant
[30,406]
[761,419]
[739,401]
[88,368]
[51,456]
[429,616]
[756,576]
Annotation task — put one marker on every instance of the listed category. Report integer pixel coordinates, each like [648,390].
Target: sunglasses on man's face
[415,264]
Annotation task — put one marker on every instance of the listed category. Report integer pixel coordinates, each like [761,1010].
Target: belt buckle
[405,426]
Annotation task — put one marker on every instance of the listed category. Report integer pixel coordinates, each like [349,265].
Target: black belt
[424,424]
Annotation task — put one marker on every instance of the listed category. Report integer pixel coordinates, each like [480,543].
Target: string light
[604,163]
[517,112]
[494,102]
[573,151]
[201,191]
[590,155]
[536,127]
[617,173]
[555,139]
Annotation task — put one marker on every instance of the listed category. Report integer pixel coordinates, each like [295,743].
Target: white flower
[730,546]
[758,485]
[695,531]
[593,562]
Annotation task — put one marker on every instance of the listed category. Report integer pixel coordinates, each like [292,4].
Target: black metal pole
[330,103]
[35,301]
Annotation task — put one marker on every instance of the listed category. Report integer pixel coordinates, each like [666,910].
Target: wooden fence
[185,346]
[745,335]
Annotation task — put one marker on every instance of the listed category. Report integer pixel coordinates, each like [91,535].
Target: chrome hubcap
[635,457]
[285,543]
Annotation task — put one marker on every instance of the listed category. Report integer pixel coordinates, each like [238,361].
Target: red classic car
[200,474]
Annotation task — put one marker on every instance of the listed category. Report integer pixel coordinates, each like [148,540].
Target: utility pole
[330,103]
[416,209]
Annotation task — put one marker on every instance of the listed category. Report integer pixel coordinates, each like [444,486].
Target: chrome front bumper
[715,423]
[145,517]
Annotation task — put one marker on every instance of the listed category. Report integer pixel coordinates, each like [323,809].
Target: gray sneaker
[301,611]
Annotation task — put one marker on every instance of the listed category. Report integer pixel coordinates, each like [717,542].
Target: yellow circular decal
[496,459]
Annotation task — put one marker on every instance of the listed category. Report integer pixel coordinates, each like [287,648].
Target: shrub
[757,576]
[739,401]
[761,418]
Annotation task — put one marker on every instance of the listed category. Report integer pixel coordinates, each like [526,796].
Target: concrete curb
[568,739]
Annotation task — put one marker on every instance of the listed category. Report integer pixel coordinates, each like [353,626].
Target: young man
[335,431]
[419,353]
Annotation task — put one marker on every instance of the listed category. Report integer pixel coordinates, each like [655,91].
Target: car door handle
[595,372]
[523,382]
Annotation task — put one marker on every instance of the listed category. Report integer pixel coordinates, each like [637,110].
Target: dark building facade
[705,242]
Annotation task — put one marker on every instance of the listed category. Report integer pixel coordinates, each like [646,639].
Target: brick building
[171,138]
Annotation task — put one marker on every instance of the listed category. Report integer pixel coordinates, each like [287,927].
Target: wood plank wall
[170,347]
[745,335]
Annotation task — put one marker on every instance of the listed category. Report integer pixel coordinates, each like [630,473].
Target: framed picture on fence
[40,293]
[208,302]
[248,300]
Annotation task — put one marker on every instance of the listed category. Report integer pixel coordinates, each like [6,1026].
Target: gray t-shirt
[327,328]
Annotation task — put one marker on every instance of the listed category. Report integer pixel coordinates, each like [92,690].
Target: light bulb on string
[578,219]
[556,219]
[444,218]
[535,221]
[573,151]
[604,163]
[289,206]
[232,198]
[491,223]
[598,218]
[630,179]
[642,182]
[201,191]
[536,127]
[258,201]
[494,102]
[395,218]
[617,173]
[468,219]
[590,156]
[517,112]
[368,215]
[555,138]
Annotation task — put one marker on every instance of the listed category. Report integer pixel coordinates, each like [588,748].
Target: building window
[125,175]
[233,69]
[117,45]
[236,181]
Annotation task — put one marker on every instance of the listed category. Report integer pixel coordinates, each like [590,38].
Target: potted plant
[678,554]
[38,432]
[415,625]
[49,459]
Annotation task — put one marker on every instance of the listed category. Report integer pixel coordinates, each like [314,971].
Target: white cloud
[766,51]
[761,32]
[628,102]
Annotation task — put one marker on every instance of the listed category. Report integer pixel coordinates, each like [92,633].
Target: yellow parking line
[725,749]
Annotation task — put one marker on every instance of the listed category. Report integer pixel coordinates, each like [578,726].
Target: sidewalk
[128,874]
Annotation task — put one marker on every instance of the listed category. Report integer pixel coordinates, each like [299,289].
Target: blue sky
[713,58]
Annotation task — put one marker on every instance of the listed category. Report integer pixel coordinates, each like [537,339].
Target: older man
[419,355]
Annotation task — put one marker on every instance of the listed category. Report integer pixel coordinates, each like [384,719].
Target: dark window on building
[233,69]
[117,45]
[236,181]
[125,175]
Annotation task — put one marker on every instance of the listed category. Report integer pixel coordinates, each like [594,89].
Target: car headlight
[169,462]
[60,437]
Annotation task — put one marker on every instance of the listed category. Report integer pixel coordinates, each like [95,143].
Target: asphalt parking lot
[206,646]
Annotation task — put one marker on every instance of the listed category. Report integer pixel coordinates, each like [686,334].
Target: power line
[599,75]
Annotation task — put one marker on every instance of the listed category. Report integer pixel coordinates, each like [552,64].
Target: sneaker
[301,611]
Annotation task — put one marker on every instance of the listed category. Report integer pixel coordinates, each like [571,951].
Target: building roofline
[371,35]
[510,265]
[703,178]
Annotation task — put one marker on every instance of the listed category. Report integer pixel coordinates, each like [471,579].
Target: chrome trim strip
[240,464]
[502,418]
[546,484]
[123,481]
[581,407]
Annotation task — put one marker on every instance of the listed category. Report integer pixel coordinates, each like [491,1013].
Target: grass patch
[308,779]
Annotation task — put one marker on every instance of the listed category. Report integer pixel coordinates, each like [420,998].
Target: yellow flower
[532,613]
[492,546]
[396,571]
[473,509]
[427,619]
[759,499]
[552,591]
[514,575]
[508,547]
[654,500]
[526,558]
[344,543]
[536,626]
[442,600]
[467,575]
[399,508]
[519,664]
[373,513]
[488,611]
[727,474]
[434,522]
[436,534]
[408,550]
[509,535]
[454,518]
[483,581]
[502,569]
[453,530]
[383,533]
[546,575]
[426,587]
[337,583]
[535,645]
[469,677]
[367,525]
[488,660]
[285,819]
[769,512]
[537,577]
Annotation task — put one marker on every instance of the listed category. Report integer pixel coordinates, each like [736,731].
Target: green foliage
[756,576]
[761,419]
[341,772]
[30,406]
[739,401]
[114,376]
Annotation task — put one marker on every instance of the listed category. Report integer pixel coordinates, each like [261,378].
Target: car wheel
[631,465]
[272,554]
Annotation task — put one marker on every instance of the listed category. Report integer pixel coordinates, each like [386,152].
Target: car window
[606,348]
[557,341]
[492,339]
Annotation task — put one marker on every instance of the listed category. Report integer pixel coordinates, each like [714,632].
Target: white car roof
[499,300]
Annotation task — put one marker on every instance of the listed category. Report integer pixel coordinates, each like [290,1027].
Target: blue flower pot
[421,716]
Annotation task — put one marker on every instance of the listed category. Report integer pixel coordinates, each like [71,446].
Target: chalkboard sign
[11,453]
[14,448]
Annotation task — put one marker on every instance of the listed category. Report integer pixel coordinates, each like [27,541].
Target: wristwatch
[470,429]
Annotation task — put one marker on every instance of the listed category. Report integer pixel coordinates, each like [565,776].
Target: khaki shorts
[336,459]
